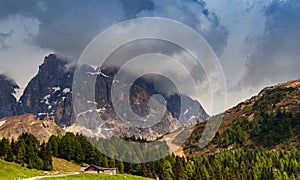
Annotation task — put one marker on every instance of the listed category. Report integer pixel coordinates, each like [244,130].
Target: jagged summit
[49,94]
[8,102]
[7,81]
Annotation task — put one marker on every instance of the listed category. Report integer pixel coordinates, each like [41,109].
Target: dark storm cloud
[194,14]
[67,26]
[276,57]
[132,7]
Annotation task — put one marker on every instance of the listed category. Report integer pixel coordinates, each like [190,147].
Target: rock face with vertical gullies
[8,102]
[49,94]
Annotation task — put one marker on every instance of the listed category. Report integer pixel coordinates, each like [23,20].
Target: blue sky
[256,41]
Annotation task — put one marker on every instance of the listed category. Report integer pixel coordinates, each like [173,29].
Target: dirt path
[177,150]
[59,175]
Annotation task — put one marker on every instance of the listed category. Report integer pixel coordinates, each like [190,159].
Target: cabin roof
[100,168]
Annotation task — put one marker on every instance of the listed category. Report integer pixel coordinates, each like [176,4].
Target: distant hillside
[14,126]
[270,120]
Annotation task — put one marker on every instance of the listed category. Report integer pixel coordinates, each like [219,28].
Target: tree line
[227,164]
[27,151]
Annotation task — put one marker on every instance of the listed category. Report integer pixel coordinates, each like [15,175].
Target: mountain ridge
[14,126]
[269,120]
[49,94]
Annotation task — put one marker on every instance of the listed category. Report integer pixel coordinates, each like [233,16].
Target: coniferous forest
[255,163]
[256,142]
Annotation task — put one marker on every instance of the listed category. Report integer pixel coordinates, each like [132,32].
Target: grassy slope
[284,96]
[99,176]
[14,171]
[11,171]
[62,165]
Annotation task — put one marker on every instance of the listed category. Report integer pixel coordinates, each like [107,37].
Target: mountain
[49,95]
[49,92]
[14,126]
[269,120]
[8,102]
[257,139]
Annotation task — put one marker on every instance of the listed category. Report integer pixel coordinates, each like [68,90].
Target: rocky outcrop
[8,102]
[180,109]
[12,127]
[49,94]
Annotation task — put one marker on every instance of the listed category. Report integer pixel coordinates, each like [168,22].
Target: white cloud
[20,59]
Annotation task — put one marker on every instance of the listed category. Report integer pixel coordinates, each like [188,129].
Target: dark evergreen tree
[21,152]
[4,144]
[45,156]
[167,172]
[53,145]
[9,156]
[179,168]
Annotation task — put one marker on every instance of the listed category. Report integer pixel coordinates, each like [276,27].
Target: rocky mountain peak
[8,102]
[49,94]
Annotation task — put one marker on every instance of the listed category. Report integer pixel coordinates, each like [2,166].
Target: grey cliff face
[8,102]
[49,94]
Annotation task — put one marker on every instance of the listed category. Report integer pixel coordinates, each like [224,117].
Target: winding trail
[173,148]
[59,175]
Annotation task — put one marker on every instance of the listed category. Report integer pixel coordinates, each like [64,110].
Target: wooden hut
[93,169]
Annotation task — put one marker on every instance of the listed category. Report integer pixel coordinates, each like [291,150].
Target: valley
[258,138]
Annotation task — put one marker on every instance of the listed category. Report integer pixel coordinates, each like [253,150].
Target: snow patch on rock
[2,122]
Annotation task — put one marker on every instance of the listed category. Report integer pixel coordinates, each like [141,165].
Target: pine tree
[79,155]
[53,145]
[21,152]
[167,170]
[9,156]
[276,174]
[226,140]
[285,176]
[204,172]
[31,155]
[178,168]
[105,162]
[67,148]
[112,163]
[4,147]
[120,166]
[45,156]
[189,170]
[13,146]
[198,173]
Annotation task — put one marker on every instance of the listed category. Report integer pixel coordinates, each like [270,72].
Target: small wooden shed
[93,169]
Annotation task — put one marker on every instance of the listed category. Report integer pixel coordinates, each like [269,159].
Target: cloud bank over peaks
[194,14]
[68,26]
[276,56]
